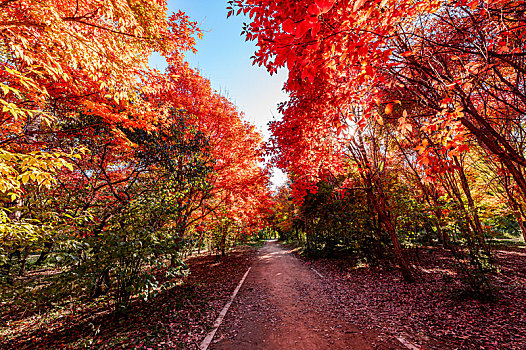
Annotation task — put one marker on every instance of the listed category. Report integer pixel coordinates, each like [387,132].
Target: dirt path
[283,304]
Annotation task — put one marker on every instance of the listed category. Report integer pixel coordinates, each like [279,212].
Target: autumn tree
[111,167]
[63,61]
[240,191]
[84,53]
[459,82]
[470,72]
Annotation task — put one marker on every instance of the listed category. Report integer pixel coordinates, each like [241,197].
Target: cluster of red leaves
[346,58]
[240,184]
[333,51]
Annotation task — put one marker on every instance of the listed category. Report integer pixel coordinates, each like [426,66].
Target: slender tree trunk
[201,236]
[307,235]
[387,222]
[431,198]
[518,213]
[23,260]
[102,284]
[477,226]
[376,196]
[520,220]
[224,232]
[8,265]
[379,205]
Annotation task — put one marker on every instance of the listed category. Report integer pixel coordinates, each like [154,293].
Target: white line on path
[408,344]
[319,274]
[206,342]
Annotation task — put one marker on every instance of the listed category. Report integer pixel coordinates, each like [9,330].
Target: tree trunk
[8,265]
[477,226]
[102,284]
[45,253]
[307,234]
[516,207]
[224,232]
[376,197]
[520,220]
[23,260]
[385,218]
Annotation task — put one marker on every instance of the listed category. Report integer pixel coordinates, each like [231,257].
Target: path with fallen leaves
[283,305]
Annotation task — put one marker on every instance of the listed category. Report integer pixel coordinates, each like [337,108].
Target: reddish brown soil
[283,304]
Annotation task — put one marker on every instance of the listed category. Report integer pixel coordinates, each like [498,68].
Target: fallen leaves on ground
[430,312]
[178,318]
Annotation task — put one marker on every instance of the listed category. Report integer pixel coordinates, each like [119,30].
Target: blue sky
[223,57]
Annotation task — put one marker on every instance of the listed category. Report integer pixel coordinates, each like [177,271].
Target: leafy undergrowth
[177,318]
[431,312]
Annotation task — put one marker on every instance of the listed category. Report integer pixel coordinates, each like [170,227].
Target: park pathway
[283,304]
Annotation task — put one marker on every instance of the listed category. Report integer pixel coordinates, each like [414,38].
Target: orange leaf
[388,108]
[445,101]
[358,5]
[425,160]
